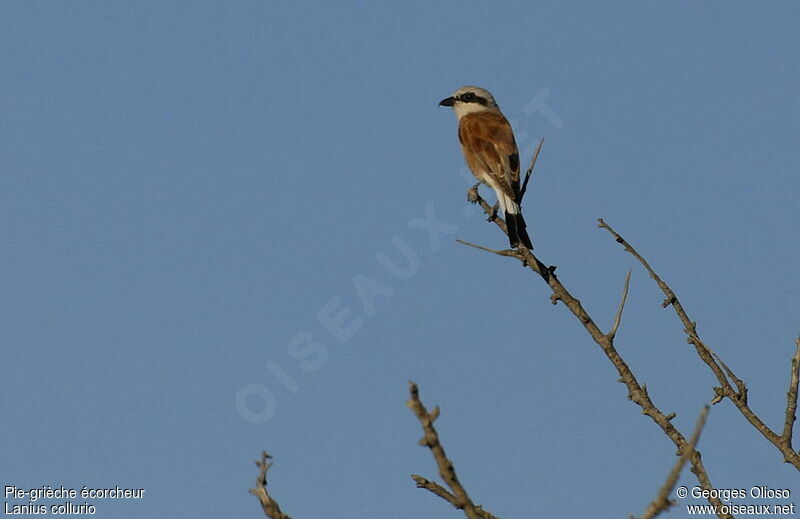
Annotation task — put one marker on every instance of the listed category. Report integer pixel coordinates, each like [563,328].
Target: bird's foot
[493,215]
[472,194]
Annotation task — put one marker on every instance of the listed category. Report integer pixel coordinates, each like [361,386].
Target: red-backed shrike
[491,153]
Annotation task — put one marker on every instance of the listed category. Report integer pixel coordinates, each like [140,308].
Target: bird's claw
[493,215]
[472,194]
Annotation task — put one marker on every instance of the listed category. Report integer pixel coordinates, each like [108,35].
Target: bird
[490,151]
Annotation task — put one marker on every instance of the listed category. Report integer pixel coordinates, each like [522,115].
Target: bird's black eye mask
[470,97]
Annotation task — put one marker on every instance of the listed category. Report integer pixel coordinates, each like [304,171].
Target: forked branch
[457,496]
[724,375]
[269,505]
[636,392]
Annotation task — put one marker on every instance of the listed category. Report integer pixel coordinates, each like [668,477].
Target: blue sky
[186,186]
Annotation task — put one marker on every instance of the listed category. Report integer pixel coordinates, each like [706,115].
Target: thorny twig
[636,392]
[725,376]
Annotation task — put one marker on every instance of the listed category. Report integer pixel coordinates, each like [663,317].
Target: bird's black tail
[517,231]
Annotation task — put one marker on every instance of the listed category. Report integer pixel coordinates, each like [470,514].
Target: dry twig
[505,252]
[636,392]
[618,317]
[530,171]
[725,376]
[269,505]
[457,496]
[791,398]
[662,502]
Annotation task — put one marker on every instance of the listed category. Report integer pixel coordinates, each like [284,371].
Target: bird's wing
[489,147]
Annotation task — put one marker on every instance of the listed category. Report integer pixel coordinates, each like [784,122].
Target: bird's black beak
[450,101]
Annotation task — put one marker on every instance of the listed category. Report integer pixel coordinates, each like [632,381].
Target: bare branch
[459,497]
[662,502]
[707,354]
[791,398]
[721,371]
[636,392]
[618,317]
[530,171]
[269,505]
